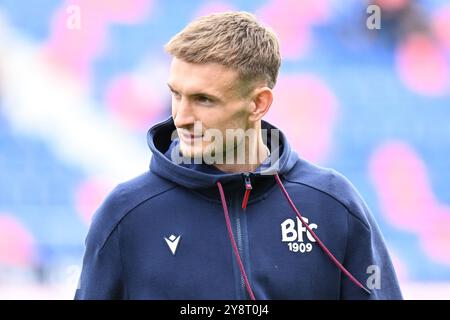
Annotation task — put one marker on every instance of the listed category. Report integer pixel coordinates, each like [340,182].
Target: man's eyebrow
[197,94]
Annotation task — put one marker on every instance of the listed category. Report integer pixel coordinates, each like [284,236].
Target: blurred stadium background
[75,105]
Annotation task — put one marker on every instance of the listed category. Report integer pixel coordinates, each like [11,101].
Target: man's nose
[184,115]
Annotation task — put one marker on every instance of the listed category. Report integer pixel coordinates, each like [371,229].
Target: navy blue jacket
[163,235]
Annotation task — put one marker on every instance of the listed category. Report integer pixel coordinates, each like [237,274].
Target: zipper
[248,188]
[239,229]
[240,249]
[239,225]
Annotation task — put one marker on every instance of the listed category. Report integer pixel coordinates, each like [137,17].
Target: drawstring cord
[233,242]
[248,188]
[319,242]
[291,203]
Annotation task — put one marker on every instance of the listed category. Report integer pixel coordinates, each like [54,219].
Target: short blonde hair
[232,39]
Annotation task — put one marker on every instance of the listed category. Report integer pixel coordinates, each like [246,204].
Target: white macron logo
[293,231]
[172,242]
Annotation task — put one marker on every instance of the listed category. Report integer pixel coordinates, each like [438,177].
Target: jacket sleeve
[367,259]
[102,271]
[101,275]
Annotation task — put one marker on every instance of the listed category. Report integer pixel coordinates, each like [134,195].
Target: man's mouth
[187,136]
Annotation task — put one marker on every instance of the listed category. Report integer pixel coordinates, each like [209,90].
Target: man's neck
[255,154]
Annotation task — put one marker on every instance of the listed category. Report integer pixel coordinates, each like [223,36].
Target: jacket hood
[159,139]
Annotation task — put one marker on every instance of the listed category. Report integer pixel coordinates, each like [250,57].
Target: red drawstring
[248,188]
[319,242]
[233,242]
[245,200]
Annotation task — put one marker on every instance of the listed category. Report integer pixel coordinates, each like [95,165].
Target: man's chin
[205,153]
[188,152]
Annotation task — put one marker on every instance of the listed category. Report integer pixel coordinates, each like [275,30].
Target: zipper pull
[248,188]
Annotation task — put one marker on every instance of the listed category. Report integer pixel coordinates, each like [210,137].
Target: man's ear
[262,98]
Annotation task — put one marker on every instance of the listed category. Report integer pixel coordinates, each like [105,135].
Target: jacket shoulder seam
[113,229]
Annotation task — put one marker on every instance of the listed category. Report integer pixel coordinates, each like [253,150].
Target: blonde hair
[232,39]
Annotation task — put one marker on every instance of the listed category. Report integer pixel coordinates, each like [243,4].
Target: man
[240,217]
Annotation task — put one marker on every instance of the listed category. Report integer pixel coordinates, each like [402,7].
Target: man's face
[207,93]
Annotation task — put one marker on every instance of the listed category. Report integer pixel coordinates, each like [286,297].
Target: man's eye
[175,94]
[203,99]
